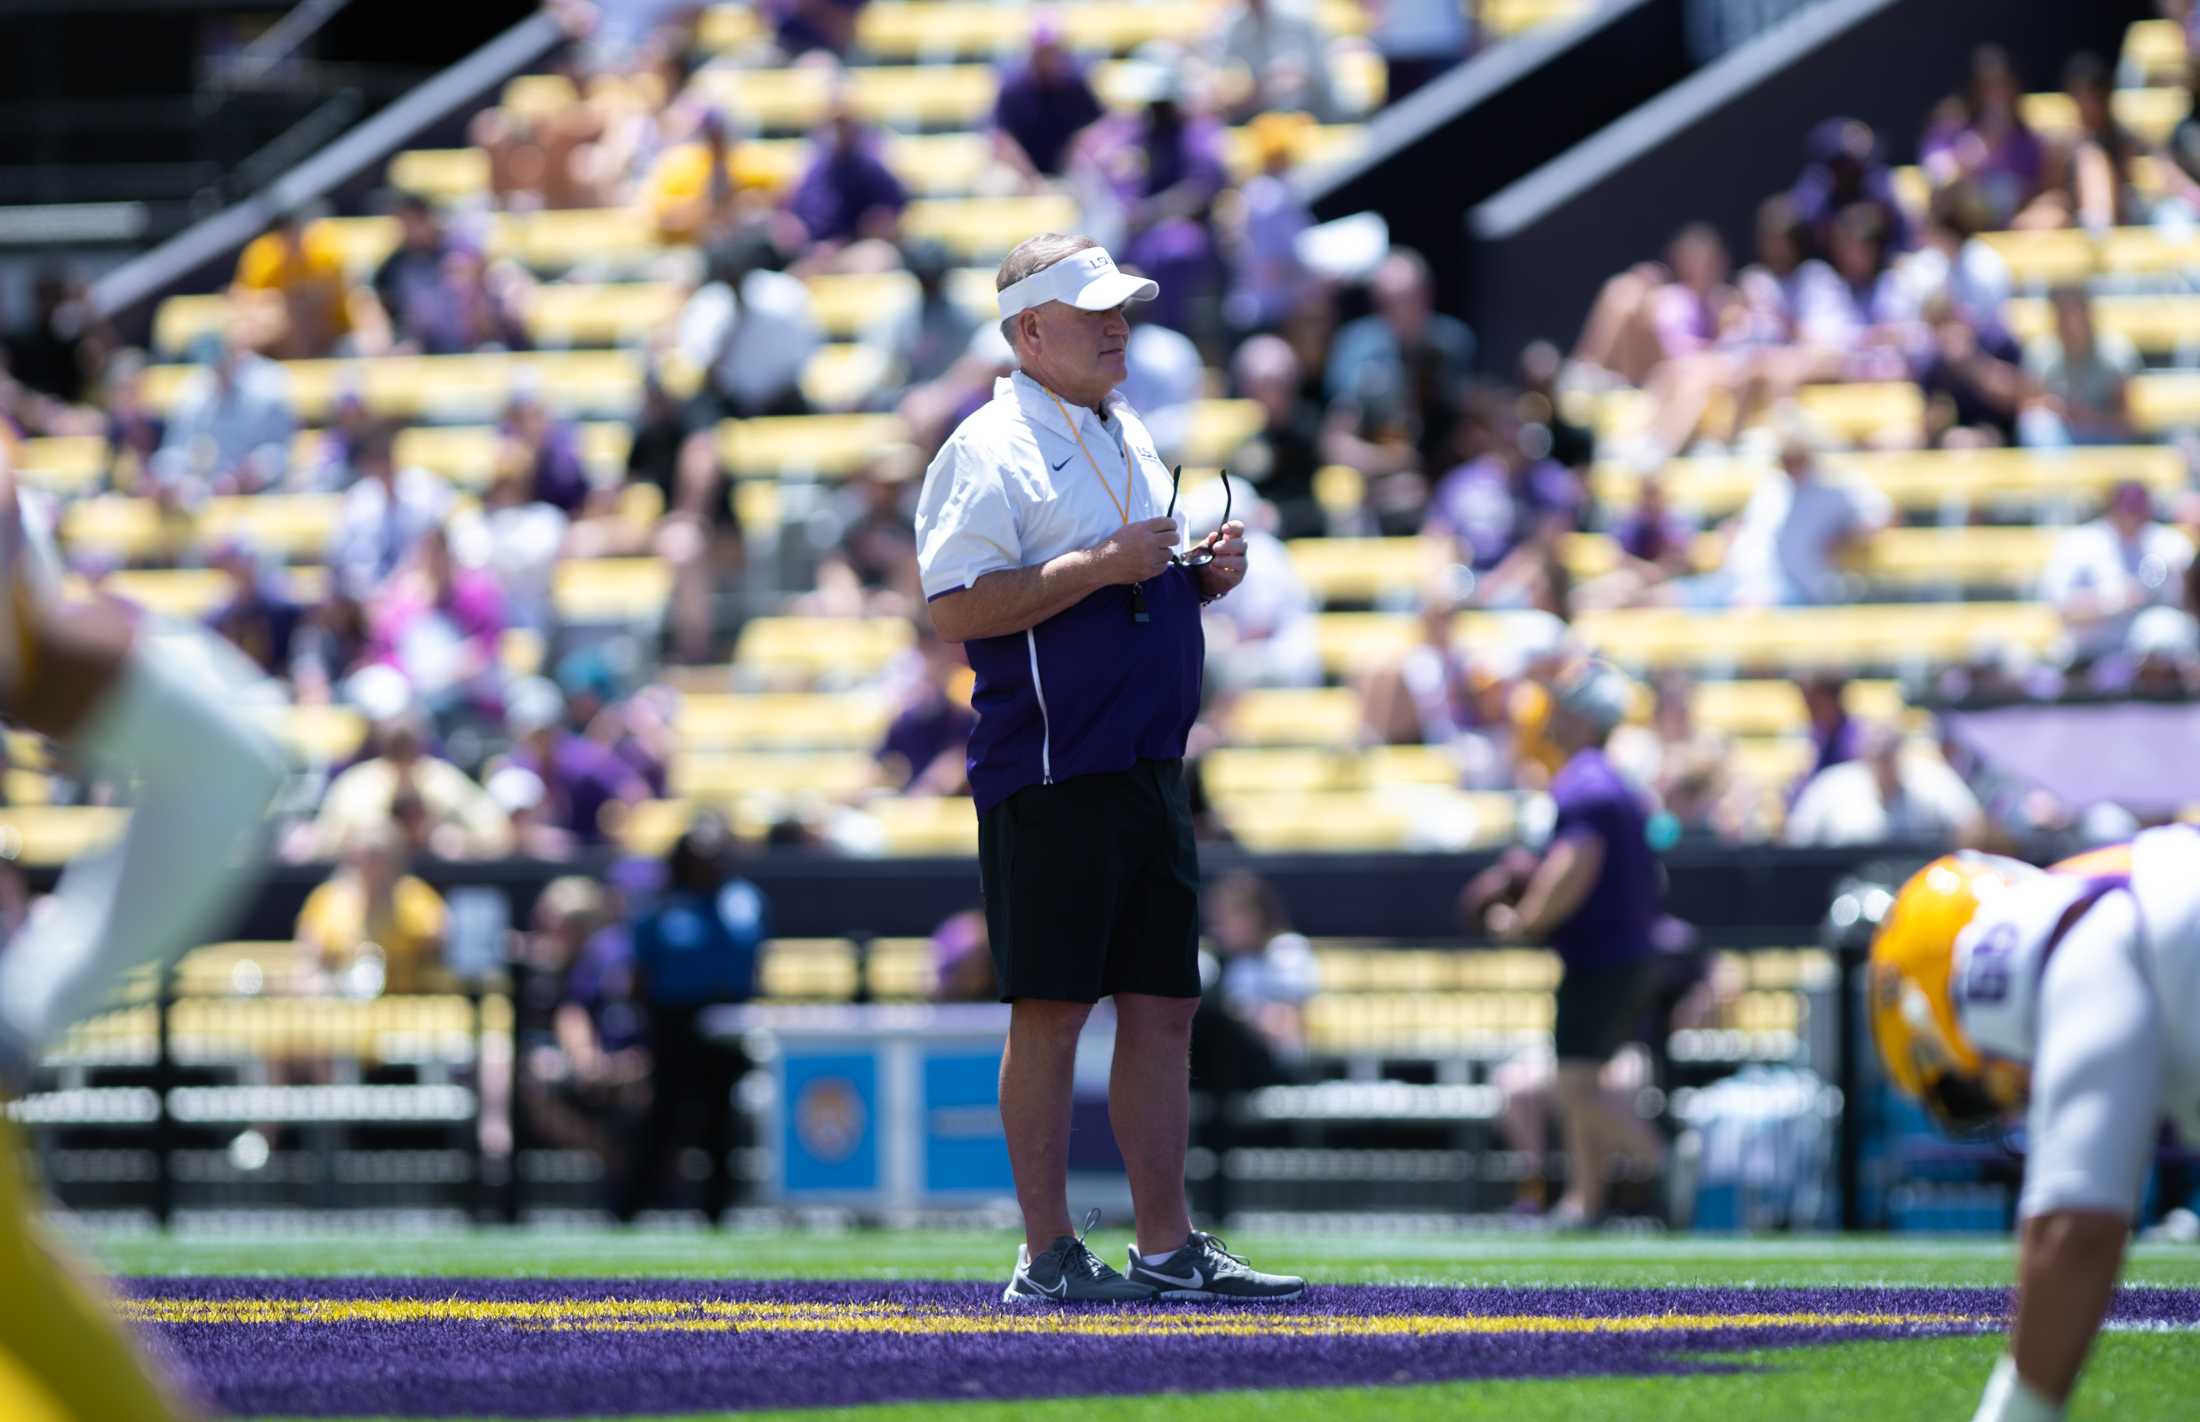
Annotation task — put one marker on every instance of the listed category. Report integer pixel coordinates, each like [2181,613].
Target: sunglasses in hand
[1199,557]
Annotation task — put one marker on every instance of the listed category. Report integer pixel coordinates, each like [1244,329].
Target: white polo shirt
[1011,488]
[1091,689]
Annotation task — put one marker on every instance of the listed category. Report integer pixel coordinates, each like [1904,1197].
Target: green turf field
[2147,1372]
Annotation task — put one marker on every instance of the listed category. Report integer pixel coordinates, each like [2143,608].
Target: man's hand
[1228,568]
[1137,551]
[1503,922]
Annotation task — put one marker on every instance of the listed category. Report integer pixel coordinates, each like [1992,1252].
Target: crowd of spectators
[1375,416]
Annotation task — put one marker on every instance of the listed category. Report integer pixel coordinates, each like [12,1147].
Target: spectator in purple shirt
[1163,168]
[259,617]
[1845,169]
[1593,897]
[848,193]
[928,739]
[1042,105]
[1979,136]
[580,776]
[808,26]
[439,624]
[1502,499]
[1835,736]
[545,450]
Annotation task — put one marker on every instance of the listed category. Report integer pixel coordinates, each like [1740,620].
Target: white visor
[1087,280]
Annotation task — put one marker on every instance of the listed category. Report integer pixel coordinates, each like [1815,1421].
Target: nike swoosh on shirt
[1057,468]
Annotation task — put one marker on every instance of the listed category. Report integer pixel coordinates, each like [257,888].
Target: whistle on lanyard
[1138,604]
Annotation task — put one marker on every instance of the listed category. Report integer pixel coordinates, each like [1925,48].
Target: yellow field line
[651,1315]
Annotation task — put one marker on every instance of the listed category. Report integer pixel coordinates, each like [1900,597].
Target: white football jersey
[2093,980]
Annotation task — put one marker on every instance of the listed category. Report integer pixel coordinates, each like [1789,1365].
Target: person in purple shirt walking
[1593,897]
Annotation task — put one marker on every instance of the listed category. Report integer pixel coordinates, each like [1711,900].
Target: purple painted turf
[448,1369]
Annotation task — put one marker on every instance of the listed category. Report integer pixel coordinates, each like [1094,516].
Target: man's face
[1402,298]
[1080,353]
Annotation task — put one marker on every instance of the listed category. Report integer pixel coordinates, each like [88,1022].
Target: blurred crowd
[1376,416]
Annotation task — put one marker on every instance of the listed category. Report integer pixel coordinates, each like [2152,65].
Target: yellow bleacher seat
[1866,635]
[287,526]
[2006,558]
[62,464]
[925,825]
[2150,114]
[616,313]
[941,28]
[1859,413]
[1329,143]
[2159,324]
[759,720]
[1339,570]
[1848,414]
[466,454]
[797,98]
[119,527]
[534,95]
[55,834]
[611,589]
[825,445]
[1656,639]
[983,229]
[1325,715]
[2052,258]
[846,304]
[441,175]
[321,735]
[546,241]
[445,387]
[1399,817]
[188,594]
[724,27]
[1219,428]
[1919,481]
[2163,400]
[757,504]
[845,649]
[1899,557]
[2154,51]
[843,376]
[1512,17]
[718,775]
[807,970]
[1774,709]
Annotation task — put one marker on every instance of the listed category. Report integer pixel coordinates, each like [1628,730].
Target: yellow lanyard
[1130,474]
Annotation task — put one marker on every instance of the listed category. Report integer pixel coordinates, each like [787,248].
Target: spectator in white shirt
[2103,574]
[752,329]
[1166,377]
[2083,377]
[1785,547]
[1887,795]
[231,430]
[1273,55]
[1263,635]
[1264,973]
[385,514]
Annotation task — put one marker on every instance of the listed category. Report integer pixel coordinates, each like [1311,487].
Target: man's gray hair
[1030,256]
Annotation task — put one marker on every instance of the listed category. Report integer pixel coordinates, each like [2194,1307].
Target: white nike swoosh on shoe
[1060,1289]
[1195,1280]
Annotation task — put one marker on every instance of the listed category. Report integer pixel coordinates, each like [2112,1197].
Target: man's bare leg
[1149,1105]
[1036,1071]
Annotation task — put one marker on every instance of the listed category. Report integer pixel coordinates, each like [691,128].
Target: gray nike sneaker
[1204,1268]
[1070,1273]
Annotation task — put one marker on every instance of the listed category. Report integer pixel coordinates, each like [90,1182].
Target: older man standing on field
[1049,546]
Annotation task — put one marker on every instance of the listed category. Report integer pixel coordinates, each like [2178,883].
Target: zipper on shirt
[1046,727]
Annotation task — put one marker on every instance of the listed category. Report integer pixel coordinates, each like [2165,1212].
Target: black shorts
[1092,886]
[1600,1007]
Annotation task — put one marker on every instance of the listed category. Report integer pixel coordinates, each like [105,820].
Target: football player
[2071,995]
[85,675]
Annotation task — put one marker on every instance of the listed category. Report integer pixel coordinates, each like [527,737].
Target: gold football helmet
[1913,1010]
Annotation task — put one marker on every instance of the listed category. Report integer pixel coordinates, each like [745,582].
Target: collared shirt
[1090,689]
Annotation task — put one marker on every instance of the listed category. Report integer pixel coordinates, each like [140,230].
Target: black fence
[232,1082]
